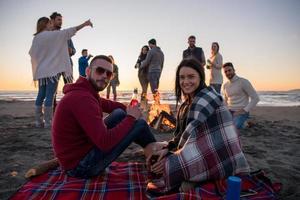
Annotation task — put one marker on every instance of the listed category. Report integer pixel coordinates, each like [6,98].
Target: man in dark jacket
[85,142]
[193,51]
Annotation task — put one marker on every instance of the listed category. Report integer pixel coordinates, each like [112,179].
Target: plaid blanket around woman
[209,148]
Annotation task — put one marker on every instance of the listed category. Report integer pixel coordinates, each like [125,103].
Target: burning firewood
[159,119]
[160,116]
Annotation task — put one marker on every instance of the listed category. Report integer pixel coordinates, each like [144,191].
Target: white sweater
[237,92]
[216,69]
[49,54]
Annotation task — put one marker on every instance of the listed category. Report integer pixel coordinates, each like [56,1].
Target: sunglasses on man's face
[100,71]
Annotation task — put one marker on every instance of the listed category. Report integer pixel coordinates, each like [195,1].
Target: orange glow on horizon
[23,86]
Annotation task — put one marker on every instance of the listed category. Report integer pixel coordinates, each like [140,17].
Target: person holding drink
[214,65]
[84,141]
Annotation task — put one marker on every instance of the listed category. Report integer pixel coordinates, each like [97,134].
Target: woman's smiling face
[189,80]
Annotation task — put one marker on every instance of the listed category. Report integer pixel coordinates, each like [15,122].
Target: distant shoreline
[171,104]
[270,98]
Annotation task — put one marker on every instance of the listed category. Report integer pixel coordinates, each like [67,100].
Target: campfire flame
[156,109]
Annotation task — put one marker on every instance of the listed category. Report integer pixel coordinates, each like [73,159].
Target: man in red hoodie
[84,142]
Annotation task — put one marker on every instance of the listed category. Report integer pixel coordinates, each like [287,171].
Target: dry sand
[271,144]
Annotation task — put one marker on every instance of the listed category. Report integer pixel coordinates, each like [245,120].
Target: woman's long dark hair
[194,64]
[143,56]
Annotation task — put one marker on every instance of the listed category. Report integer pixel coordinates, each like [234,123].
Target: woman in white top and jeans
[214,65]
[50,59]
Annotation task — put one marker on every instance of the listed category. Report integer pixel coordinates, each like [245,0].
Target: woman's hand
[159,166]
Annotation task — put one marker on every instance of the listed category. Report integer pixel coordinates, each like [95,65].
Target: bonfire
[160,115]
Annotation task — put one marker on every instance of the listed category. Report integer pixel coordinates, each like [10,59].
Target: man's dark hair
[83,50]
[102,57]
[152,41]
[192,37]
[54,15]
[228,64]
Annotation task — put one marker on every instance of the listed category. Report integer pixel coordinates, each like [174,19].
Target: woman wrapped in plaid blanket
[206,145]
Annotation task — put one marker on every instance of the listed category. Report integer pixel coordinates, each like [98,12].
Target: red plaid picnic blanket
[126,181]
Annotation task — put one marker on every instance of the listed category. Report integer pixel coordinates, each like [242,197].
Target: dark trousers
[96,160]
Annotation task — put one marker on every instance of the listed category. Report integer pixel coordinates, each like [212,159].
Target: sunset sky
[260,37]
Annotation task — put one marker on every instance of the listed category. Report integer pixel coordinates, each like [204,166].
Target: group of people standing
[240,96]
[150,64]
[205,145]
[213,64]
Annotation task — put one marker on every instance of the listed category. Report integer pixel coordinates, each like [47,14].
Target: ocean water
[267,98]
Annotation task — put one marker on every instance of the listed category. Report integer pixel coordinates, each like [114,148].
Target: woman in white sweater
[50,60]
[214,65]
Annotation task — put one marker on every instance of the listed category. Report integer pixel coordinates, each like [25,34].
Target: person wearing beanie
[154,61]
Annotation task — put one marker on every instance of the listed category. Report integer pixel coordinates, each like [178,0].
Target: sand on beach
[271,144]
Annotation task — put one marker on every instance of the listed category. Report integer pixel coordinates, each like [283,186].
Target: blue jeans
[96,160]
[153,78]
[239,120]
[46,92]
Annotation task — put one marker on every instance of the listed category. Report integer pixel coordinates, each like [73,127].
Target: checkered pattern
[128,181]
[119,181]
[205,103]
[210,144]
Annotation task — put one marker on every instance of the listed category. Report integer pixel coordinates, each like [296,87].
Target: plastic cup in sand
[233,188]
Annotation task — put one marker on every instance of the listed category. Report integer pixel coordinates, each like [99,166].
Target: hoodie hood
[82,84]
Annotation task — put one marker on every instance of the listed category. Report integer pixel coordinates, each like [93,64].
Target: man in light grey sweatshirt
[239,96]
[155,63]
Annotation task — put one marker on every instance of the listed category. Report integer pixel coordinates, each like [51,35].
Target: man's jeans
[46,92]
[96,160]
[239,120]
[153,78]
